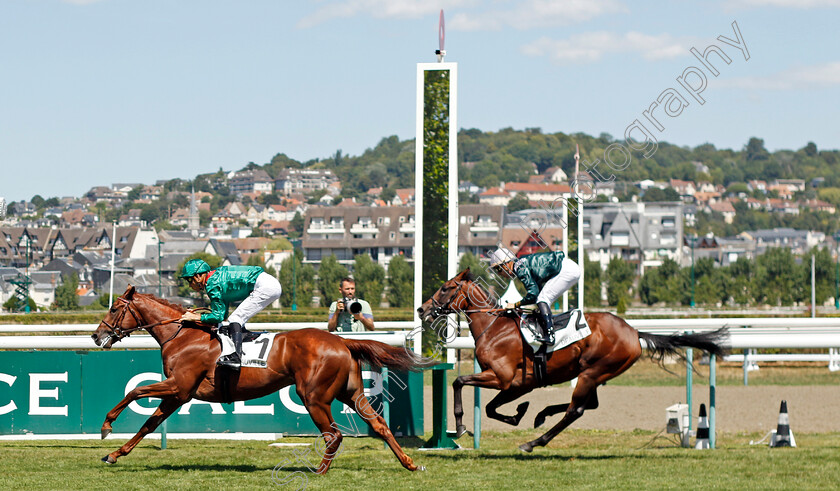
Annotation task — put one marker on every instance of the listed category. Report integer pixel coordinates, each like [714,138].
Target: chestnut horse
[322,366]
[506,361]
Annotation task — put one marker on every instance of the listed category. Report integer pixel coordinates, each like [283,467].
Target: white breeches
[568,277]
[266,290]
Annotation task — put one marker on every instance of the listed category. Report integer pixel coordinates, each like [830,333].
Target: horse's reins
[440,310]
[119,332]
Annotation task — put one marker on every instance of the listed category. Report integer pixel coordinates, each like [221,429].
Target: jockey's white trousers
[266,290]
[568,277]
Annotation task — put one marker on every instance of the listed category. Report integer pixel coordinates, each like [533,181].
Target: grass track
[579,459]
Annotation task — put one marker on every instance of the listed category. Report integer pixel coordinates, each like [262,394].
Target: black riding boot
[546,323]
[233,360]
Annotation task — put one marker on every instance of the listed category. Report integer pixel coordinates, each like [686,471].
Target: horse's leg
[584,390]
[505,397]
[166,388]
[321,415]
[377,423]
[592,403]
[166,408]
[486,379]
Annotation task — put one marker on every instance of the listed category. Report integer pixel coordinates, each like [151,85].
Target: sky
[96,92]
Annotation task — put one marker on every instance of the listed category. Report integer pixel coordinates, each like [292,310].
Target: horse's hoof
[520,411]
[539,420]
[526,447]
[109,460]
[460,430]
[105,432]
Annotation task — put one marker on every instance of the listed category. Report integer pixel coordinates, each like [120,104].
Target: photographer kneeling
[350,314]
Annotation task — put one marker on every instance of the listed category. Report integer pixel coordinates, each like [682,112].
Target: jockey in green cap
[250,285]
[545,275]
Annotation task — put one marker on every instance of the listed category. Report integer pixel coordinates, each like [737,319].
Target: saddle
[569,327]
[256,346]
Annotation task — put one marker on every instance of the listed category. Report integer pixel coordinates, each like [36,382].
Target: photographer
[349,314]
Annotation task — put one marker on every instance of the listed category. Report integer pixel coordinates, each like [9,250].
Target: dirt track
[738,409]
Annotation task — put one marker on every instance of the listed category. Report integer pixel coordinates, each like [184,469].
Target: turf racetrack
[579,459]
[613,447]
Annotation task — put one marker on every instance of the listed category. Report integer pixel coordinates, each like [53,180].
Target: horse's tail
[382,355]
[661,345]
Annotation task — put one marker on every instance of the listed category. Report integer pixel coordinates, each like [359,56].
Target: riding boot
[546,324]
[233,360]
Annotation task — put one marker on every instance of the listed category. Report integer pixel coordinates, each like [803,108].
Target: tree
[387,194]
[400,283]
[296,226]
[11,305]
[256,260]
[480,271]
[65,294]
[134,193]
[329,274]
[518,203]
[755,150]
[620,275]
[370,279]
[38,201]
[656,194]
[777,277]
[300,286]
[662,284]
[591,283]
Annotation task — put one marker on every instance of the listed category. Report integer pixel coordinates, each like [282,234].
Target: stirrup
[231,361]
[541,338]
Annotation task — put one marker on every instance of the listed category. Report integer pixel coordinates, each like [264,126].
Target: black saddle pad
[559,321]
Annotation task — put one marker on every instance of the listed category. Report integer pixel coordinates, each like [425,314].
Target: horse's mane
[472,278]
[174,306]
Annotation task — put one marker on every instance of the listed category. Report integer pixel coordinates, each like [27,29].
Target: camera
[352,305]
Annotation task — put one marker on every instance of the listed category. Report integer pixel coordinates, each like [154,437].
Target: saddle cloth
[255,347]
[569,327]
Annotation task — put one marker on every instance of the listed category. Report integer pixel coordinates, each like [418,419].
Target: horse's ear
[129,292]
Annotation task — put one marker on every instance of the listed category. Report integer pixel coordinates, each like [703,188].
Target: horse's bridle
[118,332]
[439,309]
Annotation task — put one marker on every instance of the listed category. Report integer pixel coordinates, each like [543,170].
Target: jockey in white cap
[545,275]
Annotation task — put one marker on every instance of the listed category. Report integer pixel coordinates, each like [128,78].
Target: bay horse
[322,366]
[506,361]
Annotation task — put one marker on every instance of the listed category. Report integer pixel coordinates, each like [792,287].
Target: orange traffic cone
[783,435]
[702,430]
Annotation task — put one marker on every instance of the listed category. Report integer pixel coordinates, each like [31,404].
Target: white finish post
[452,242]
[113,252]
[452,269]
[418,196]
[580,255]
[566,245]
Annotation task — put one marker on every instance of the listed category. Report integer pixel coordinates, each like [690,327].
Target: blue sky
[101,91]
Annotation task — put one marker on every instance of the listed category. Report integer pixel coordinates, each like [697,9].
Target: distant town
[51,239]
